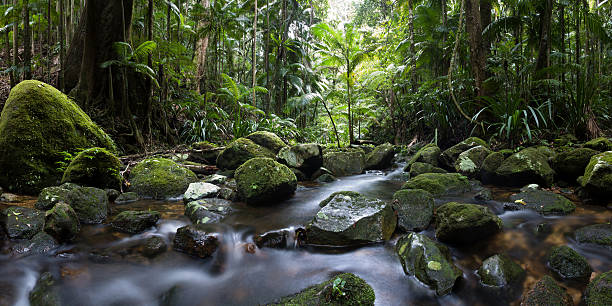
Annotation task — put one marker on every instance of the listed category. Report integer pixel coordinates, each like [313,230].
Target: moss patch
[95,167]
[465,223]
[599,291]
[267,140]
[239,151]
[349,290]
[264,181]
[440,184]
[160,178]
[597,179]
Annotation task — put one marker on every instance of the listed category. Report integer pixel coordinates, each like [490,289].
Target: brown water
[105,268]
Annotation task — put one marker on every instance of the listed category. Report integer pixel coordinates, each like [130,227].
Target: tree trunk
[474,29]
[49,41]
[411,50]
[27,41]
[62,74]
[254,62]
[149,85]
[201,47]
[544,50]
[15,45]
[348,93]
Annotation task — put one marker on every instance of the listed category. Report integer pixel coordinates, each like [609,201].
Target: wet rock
[428,154]
[449,156]
[429,261]
[267,140]
[274,239]
[22,222]
[154,246]
[216,179]
[465,223]
[380,158]
[196,240]
[440,184]
[207,210]
[544,202]
[599,290]
[204,152]
[240,151]
[419,168]
[45,292]
[41,243]
[599,234]
[489,166]
[321,171]
[527,166]
[307,158]
[565,140]
[50,196]
[228,194]
[547,292]
[264,181]
[160,179]
[469,162]
[89,203]
[483,195]
[9,198]
[501,271]
[326,178]
[134,222]
[112,194]
[414,209]
[344,163]
[599,144]
[568,264]
[299,175]
[127,197]
[350,290]
[62,222]
[94,167]
[200,190]
[349,218]
[597,179]
[571,164]
[39,125]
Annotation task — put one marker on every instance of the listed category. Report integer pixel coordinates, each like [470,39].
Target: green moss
[599,291]
[345,163]
[547,292]
[22,222]
[600,234]
[419,168]
[599,144]
[134,222]
[439,184]
[465,223]
[527,166]
[568,264]
[428,154]
[46,291]
[262,180]
[62,222]
[380,158]
[95,167]
[597,179]
[414,209]
[267,140]
[239,151]
[160,178]
[545,202]
[450,155]
[572,163]
[38,126]
[352,291]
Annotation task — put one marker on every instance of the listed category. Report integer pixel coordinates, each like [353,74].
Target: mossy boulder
[440,184]
[565,140]
[40,244]
[160,178]
[94,167]
[544,202]
[469,162]
[207,210]
[428,154]
[38,126]
[22,222]
[599,290]
[345,163]
[239,151]
[267,140]
[50,196]
[89,203]
[449,156]
[465,223]
[599,234]
[525,167]
[597,179]
[45,292]
[62,222]
[264,181]
[429,261]
[307,157]
[489,166]
[501,271]
[196,240]
[414,209]
[599,144]
[568,264]
[350,218]
[570,164]
[547,292]
[380,158]
[352,291]
[419,168]
[134,222]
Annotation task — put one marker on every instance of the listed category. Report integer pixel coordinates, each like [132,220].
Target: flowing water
[105,268]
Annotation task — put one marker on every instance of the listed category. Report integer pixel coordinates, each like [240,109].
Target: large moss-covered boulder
[419,168]
[440,184]
[62,222]
[568,264]
[544,202]
[429,261]
[414,209]
[160,178]
[598,234]
[264,181]
[380,158]
[45,292]
[134,222]
[307,157]
[345,163]
[570,164]
[428,154]
[349,218]
[599,144]
[469,162]
[89,203]
[597,179]
[22,222]
[465,223]
[501,271]
[50,196]
[599,290]
[196,240]
[547,292]
[449,156]
[38,126]
[267,140]
[95,167]
[489,166]
[525,167]
[239,151]
[343,289]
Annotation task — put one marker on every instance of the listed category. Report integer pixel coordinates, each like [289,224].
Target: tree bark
[544,50]
[254,62]
[474,29]
[15,46]
[201,48]
[27,41]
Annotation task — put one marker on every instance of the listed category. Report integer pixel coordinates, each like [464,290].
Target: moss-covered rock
[544,202]
[419,168]
[428,154]
[264,181]
[45,292]
[599,234]
[94,167]
[489,166]
[307,157]
[597,179]
[239,151]
[414,208]
[50,196]
[38,126]
[501,271]
[196,240]
[465,223]
[89,203]
[599,144]
[349,218]
[343,289]
[62,222]
[326,178]
[449,156]
[469,162]
[599,290]
[267,140]
[42,243]
[345,163]
[22,222]
[429,261]
[380,158]
[127,197]
[568,264]
[570,164]
[440,184]
[524,167]
[134,222]
[160,178]
[207,210]
[565,140]
[547,292]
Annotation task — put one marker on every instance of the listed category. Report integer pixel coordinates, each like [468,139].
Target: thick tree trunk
[201,47]
[544,50]
[254,62]
[474,29]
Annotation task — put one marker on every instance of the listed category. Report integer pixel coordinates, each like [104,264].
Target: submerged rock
[419,168]
[349,218]
[95,167]
[599,234]
[200,190]
[267,140]
[134,222]
[62,222]
[450,155]
[89,203]
[501,271]
[568,264]
[38,127]
[547,292]
[429,261]
[597,179]
[599,290]
[240,151]
[345,163]
[307,157]
[380,158]
[414,209]
[45,292]
[465,223]
[544,202]
[160,178]
[428,154]
[22,222]
[440,184]
[525,167]
[196,240]
[343,289]
[571,164]
[264,181]
[207,210]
